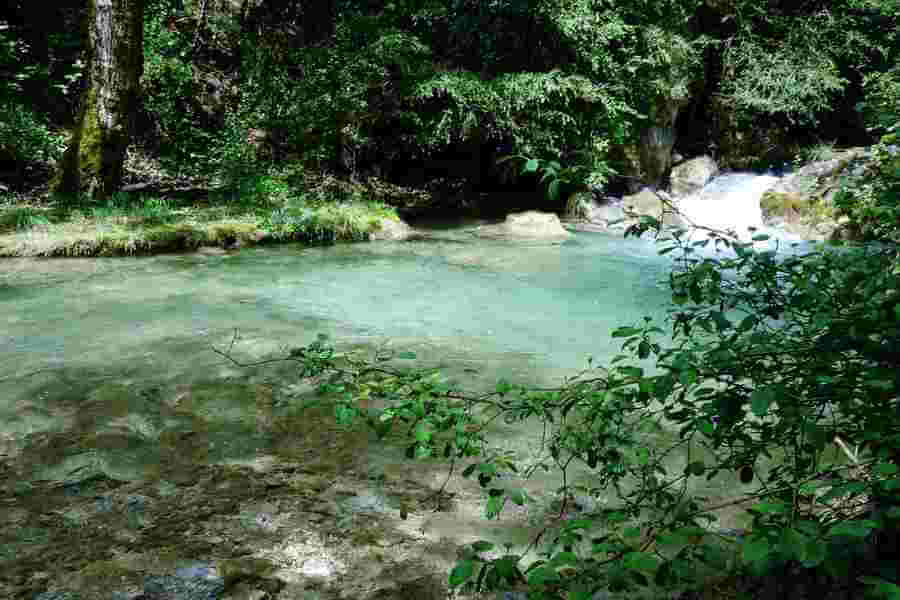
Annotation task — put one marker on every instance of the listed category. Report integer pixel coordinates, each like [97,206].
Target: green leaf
[422,433]
[771,508]
[760,400]
[747,323]
[482,546]
[530,166]
[642,455]
[860,528]
[794,544]
[553,190]
[541,575]
[517,496]
[625,332]
[406,355]
[641,561]
[885,469]
[632,532]
[695,468]
[756,549]
[506,567]
[494,506]
[844,489]
[462,572]
[815,554]
[721,322]
[881,588]
[687,376]
[564,558]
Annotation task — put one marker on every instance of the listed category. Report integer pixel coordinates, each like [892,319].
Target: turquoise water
[107,365]
[555,302]
[107,346]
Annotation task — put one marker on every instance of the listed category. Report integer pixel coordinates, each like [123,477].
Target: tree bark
[93,162]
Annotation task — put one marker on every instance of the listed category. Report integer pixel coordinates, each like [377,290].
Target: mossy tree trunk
[93,163]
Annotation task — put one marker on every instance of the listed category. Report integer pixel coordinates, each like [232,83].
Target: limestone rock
[649,202]
[605,214]
[802,202]
[391,230]
[533,224]
[691,175]
[528,225]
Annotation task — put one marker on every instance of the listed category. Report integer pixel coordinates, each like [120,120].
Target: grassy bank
[265,210]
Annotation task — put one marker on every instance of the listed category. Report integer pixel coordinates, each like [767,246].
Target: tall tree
[93,162]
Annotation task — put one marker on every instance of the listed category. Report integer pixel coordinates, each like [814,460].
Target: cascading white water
[729,202]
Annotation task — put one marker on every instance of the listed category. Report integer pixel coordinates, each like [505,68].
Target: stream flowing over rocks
[798,205]
[135,463]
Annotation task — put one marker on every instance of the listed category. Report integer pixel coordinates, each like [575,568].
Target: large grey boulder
[528,225]
[650,202]
[691,175]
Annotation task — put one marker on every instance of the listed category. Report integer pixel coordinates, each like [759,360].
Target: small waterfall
[729,202]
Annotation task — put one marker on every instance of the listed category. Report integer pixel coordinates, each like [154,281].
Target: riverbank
[154,225]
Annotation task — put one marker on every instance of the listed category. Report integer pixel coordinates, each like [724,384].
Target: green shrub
[22,218]
[25,137]
[170,93]
[872,202]
[881,107]
[144,210]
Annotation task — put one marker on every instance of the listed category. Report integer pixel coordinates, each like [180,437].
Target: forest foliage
[386,83]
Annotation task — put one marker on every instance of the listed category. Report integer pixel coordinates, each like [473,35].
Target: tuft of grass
[23,218]
[817,152]
[290,205]
[92,233]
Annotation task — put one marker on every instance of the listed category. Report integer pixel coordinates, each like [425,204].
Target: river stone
[528,225]
[649,202]
[604,214]
[691,175]
[802,202]
[391,230]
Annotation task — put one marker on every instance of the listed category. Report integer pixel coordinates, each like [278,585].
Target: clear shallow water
[557,302]
[106,365]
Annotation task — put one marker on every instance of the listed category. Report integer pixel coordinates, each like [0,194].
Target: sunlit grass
[122,226]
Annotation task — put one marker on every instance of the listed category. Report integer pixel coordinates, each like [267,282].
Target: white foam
[729,202]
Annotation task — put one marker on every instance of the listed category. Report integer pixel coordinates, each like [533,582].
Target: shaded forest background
[431,95]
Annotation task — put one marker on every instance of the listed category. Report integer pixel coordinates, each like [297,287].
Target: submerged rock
[191,587]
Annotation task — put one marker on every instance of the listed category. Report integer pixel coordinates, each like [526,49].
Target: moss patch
[795,208]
